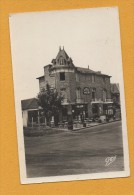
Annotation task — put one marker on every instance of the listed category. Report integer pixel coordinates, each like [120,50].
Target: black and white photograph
[69,95]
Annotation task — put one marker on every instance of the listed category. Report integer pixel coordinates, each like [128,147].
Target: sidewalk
[40,131]
[89,125]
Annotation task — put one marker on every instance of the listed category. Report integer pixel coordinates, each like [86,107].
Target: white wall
[25,117]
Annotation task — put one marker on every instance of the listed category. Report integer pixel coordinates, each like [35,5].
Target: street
[75,152]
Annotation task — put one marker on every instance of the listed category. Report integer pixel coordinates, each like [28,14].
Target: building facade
[115,94]
[86,93]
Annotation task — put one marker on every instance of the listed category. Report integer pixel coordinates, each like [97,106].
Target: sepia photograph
[69,95]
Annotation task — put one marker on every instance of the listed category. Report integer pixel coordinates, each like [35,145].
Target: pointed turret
[62,58]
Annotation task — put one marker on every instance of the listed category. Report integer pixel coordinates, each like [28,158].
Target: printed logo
[109,160]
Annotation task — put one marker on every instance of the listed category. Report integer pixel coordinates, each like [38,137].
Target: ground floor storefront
[81,112]
[71,113]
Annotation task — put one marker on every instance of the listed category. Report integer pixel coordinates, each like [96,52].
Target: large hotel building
[86,92]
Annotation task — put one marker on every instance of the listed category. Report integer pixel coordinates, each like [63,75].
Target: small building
[86,93]
[30,111]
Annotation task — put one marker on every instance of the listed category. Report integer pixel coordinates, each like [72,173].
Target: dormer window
[61,61]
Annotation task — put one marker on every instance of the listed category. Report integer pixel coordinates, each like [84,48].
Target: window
[77,77]
[61,61]
[62,76]
[93,78]
[104,95]
[87,77]
[93,93]
[78,93]
[104,80]
[63,93]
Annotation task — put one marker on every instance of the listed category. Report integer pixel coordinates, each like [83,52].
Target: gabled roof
[29,104]
[84,70]
[89,71]
[115,88]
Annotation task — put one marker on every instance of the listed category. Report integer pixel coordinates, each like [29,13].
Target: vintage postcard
[69,95]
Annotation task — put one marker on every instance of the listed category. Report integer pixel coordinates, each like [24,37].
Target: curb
[96,125]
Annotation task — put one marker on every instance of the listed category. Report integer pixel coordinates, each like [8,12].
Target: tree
[50,102]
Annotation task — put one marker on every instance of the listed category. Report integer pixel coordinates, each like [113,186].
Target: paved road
[75,152]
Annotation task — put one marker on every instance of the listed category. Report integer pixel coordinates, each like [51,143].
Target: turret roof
[62,53]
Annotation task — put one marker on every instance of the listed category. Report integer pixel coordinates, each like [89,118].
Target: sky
[91,37]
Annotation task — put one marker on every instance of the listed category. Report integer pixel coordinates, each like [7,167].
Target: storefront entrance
[80,111]
[97,109]
[108,109]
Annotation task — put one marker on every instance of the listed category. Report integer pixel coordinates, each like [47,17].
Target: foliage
[50,101]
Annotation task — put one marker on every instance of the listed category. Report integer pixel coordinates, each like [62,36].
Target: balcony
[99,100]
[96,100]
[108,101]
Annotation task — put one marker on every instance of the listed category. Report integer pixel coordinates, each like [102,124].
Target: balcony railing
[108,100]
[99,100]
[65,101]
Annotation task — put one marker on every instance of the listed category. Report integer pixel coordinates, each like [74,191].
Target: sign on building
[86,91]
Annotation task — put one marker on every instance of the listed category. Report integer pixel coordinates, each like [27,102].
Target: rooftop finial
[63,47]
[88,66]
[59,48]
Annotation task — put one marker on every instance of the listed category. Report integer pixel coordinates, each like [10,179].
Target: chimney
[63,47]
[59,48]
[88,66]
